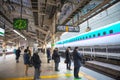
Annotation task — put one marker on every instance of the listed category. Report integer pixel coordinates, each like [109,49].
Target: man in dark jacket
[77,57]
[68,58]
[18,51]
[56,58]
[37,65]
[26,58]
[48,55]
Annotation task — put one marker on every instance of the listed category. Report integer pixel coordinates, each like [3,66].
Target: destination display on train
[66,28]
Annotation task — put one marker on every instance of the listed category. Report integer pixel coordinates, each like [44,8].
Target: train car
[103,40]
[107,35]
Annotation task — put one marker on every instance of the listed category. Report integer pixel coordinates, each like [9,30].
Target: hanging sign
[66,28]
[2,32]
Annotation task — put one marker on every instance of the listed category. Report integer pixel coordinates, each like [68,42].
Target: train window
[111,31]
[90,36]
[86,37]
[83,37]
[93,35]
[98,34]
[104,33]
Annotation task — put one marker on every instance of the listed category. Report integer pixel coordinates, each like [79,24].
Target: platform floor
[10,70]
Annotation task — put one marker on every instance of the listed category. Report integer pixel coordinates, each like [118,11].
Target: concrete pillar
[53,36]
[55,21]
[4,46]
[53,42]
[45,47]
[4,50]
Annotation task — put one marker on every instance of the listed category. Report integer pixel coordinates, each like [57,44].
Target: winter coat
[48,53]
[26,57]
[56,56]
[68,56]
[77,57]
[18,52]
[36,61]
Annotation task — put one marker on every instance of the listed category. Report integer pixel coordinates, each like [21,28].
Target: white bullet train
[103,42]
[107,35]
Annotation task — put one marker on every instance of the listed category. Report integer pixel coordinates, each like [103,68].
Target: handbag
[65,61]
[50,58]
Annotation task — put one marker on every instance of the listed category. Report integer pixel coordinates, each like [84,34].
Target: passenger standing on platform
[18,51]
[28,51]
[56,58]
[37,65]
[68,58]
[48,55]
[26,58]
[77,57]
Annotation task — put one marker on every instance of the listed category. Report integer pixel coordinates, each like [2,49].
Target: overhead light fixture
[19,34]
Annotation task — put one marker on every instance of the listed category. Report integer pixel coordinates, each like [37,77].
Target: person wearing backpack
[26,57]
[37,64]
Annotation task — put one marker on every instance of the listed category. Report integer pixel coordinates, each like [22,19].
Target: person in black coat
[18,51]
[68,58]
[56,58]
[48,55]
[26,58]
[77,57]
[36,64]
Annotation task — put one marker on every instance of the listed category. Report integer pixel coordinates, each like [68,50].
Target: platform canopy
[40,15]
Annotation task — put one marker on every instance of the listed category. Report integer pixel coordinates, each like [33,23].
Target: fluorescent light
[19,34]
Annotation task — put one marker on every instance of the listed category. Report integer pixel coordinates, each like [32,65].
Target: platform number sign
[20,23]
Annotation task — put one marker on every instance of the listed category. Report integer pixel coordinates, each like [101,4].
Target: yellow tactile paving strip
[82,74]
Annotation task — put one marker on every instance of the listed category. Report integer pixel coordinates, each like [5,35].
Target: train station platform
[10,70]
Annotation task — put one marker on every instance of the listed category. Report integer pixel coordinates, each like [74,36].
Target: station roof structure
[40,15]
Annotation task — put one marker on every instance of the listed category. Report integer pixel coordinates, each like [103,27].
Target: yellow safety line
[81,74]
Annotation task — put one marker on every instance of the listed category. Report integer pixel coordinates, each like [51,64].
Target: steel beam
[41,30]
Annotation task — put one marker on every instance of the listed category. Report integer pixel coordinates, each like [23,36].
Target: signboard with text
[66,28]
[2,32]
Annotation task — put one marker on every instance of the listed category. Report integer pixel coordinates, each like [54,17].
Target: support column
[53,42]
[4,50]
[4,47]
[45,47]
[53,36]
